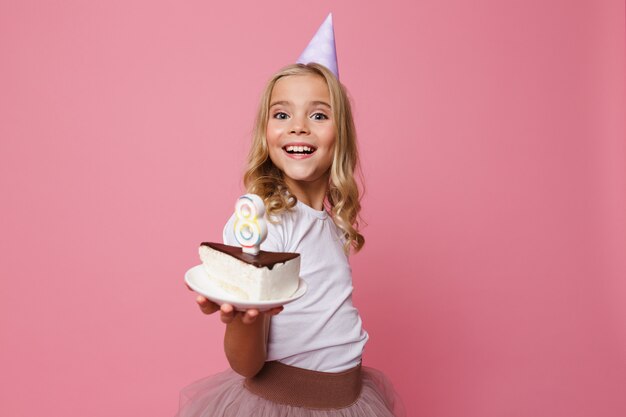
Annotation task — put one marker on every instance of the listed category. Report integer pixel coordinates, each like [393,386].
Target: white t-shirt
[322,330]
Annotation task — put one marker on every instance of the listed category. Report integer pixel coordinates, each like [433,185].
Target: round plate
[199,281]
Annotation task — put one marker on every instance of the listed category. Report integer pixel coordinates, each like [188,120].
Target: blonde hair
[262,177]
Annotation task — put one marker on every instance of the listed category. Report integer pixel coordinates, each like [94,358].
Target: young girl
[303,359]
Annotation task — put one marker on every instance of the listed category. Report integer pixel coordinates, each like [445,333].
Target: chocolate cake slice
[262,277]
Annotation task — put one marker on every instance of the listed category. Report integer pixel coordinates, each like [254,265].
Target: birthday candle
[250,226]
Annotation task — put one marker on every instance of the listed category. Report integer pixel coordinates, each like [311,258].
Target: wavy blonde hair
[262,177]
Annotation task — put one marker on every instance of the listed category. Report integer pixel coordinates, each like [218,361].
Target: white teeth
[303,148]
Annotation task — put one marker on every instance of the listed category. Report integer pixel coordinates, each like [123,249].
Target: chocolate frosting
[262,259]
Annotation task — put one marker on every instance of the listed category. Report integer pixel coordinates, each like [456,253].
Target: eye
[319,116]
[280,115]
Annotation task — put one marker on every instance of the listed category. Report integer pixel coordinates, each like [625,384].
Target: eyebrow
[285,103]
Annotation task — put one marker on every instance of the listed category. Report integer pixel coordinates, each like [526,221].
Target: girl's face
[301,130]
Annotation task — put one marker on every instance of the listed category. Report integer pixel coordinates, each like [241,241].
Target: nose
[299,125]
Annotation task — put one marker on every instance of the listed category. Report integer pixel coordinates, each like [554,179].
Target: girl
[304,360]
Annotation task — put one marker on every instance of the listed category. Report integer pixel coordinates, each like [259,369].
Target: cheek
[328,134]
[272,134]
[329,138]
[331,148]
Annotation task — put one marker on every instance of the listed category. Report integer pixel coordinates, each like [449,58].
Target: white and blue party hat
[321,49]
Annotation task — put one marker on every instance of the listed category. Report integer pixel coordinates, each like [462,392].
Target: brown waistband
[299,387]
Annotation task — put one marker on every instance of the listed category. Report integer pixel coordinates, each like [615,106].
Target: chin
[297,173]
[300,178]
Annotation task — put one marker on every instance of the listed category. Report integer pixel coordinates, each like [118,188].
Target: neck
[311,193]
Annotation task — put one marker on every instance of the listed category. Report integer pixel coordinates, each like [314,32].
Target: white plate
[199,281]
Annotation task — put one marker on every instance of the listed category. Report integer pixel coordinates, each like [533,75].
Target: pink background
[492,136]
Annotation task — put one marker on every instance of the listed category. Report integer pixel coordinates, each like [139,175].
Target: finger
[207,307]
[227,313]
[274,311]
[250,316]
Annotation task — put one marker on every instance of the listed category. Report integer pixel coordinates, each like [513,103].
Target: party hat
[321,49]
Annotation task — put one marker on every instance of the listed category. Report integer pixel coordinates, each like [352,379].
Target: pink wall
[492,135]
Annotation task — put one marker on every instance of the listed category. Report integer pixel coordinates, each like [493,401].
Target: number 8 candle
[250,226]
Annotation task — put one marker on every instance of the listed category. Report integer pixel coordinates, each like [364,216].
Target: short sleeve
[273,242]
[228,235]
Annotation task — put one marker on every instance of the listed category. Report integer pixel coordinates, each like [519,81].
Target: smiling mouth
[299,149]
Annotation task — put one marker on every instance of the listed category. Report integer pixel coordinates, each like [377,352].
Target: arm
[245,340]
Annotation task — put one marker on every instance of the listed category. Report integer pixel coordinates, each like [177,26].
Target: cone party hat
[321,48]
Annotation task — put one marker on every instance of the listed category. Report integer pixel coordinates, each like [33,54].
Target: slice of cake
[261,277]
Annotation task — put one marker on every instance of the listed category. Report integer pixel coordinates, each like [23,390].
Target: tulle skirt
[224,395]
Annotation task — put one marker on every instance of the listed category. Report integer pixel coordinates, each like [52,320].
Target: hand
[228,313]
